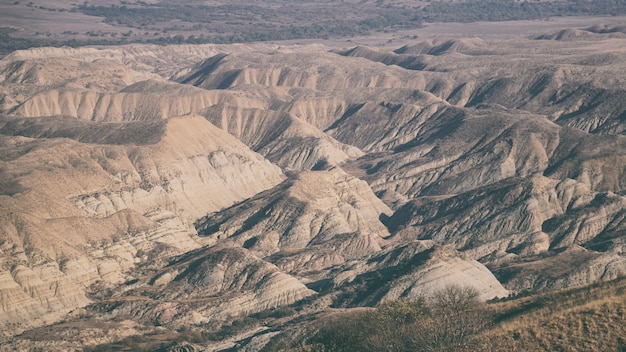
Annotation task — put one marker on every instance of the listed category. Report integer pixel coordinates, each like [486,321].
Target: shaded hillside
[227,194]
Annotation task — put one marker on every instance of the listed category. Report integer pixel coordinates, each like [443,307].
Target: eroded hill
[149,190]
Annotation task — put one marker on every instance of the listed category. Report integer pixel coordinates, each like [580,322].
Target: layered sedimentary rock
[311,222]
[282,138]
[208,285]
[190,185]
[88,213]
[410,270]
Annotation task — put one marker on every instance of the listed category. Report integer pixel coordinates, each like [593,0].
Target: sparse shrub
[444,323]
[457,314]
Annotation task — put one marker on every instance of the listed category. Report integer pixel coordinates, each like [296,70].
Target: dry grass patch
[585,319]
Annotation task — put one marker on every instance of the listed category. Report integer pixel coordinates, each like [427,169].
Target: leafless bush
[446,322]
[457,314]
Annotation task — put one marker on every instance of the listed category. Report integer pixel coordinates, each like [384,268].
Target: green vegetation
[9,43]
[236,23]
[170,22]
[243,22]
[499,10]
[246,23]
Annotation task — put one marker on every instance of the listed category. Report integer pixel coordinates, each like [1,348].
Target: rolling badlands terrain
[149,189]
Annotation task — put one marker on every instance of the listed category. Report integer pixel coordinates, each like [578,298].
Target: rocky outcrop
[209,285]
[184,186]
[309,223]
[43,72]
[321,71]
[492,215]
[572,267]
[233,270]
[38,288]
[569,231]
[285,140]
[58,241]
[194,157]
[410,270]
[160,100]
[445,268]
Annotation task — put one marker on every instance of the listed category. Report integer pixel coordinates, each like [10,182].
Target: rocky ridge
[185,186]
